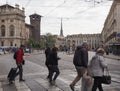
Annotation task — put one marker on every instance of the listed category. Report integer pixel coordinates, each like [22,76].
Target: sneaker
[50,82]
[53,82]
[72,87]
[21,80]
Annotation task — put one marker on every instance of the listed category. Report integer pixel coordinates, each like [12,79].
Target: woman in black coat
[53,64]
[47,52]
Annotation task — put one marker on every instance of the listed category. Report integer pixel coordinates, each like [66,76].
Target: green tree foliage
[42,44]
[33,43]
[48,40]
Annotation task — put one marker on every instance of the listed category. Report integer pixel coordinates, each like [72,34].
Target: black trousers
[54,69]
[48,67]
[97,83]
[20,72]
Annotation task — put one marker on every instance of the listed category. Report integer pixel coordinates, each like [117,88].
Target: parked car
[27,50]
[1,51]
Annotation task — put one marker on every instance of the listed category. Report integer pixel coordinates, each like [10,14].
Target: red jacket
[20,55]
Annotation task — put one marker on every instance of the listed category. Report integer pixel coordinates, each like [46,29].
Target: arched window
[11,28]
[3,30]
[11,43]
[2,43]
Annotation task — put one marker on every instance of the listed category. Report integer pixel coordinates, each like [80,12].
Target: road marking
[46,85]
[21,86]
[1,89]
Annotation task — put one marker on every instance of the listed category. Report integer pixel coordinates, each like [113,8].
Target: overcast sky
[78,16]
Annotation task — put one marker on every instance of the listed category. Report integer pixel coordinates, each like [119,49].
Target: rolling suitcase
[11,74]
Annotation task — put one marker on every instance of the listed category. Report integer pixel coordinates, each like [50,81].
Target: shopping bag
[106,79]
[87,83]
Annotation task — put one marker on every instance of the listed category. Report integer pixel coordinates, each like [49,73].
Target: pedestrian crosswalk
[62,82]
[21,86]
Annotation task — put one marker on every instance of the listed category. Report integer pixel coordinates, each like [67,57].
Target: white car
[27,50]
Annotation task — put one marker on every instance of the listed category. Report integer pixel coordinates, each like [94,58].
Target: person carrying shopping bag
[96,69]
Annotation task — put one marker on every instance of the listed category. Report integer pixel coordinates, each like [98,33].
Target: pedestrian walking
[53,64]
[96,69]
[47,52]
[80,61]
[20,62]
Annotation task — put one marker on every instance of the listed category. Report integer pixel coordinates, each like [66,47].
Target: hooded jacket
[80,57]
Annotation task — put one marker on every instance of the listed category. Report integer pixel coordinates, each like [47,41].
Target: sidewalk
[111,56]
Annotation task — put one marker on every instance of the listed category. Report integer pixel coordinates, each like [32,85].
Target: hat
[100,50]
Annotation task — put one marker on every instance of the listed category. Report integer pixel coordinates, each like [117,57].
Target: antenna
[6,1]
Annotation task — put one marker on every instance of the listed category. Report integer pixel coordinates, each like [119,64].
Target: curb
[112,58]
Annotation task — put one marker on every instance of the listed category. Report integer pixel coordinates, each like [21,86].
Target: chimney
[17,6]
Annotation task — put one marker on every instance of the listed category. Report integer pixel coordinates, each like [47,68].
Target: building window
[3,20]
[11,43]
[11,20]
[2,43]
[3,30]
[11,30]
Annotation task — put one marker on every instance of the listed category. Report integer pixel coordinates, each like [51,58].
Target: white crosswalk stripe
[45,84]
[21,86]
[1,89]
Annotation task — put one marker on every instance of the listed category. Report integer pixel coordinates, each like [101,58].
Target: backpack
[15,56]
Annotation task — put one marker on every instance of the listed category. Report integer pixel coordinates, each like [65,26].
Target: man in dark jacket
[53,63]
[80,61]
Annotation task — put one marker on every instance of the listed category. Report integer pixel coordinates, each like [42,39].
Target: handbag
[106,79]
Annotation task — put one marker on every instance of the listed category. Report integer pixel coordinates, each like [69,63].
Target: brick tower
[35,21]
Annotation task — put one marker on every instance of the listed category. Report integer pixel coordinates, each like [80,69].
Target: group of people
[52,64]
[94,68]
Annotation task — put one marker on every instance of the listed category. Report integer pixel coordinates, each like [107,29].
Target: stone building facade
[13,29]
[111,30]
[93,40]
[12,26]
